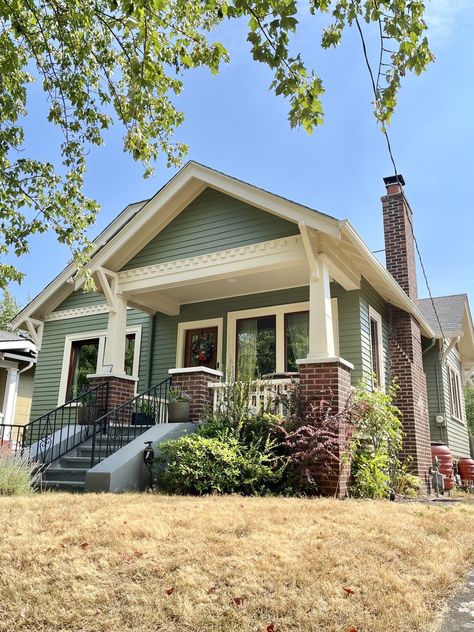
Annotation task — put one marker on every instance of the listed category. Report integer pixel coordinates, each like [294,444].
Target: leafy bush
[376,442]
[406,484]
[17,473]
[313,441]
[197,464]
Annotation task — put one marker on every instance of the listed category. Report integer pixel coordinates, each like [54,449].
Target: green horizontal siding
[348,307]
[455,434]
[458,435]
[81,299]
[435,389]
[212,222]
[50,358]
[369,297]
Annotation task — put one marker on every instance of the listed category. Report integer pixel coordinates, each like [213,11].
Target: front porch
[253,311]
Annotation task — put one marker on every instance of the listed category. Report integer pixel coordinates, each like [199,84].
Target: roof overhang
[378,276]
[139,223]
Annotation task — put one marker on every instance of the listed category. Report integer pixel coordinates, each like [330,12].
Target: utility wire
[392,159]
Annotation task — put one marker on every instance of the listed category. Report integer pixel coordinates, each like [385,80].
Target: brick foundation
[320,380]
[194,381]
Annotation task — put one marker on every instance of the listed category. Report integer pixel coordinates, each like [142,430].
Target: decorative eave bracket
[311,250]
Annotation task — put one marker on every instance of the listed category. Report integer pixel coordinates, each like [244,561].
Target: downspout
[28,366]
[438,394]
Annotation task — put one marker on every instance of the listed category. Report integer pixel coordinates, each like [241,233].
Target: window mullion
[280,342]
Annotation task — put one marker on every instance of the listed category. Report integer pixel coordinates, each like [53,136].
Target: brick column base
[321,379]
[194,381]
[121,389]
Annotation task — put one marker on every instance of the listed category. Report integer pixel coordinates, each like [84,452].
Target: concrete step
[86,450]
[65,474]
[76,461]
[63,486]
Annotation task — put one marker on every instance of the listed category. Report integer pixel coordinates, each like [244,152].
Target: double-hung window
[376,348]
[84,355]
[455,393]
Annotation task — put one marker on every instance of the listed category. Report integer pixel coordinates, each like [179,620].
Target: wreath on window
[202,349]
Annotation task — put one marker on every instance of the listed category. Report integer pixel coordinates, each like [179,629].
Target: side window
[455,393]
[376,348]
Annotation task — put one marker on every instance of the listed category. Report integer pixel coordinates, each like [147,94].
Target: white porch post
[321,334]
[9,398]
[114,355]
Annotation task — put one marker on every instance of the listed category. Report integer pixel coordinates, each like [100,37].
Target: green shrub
[376,442]
[17,474]
[198,464]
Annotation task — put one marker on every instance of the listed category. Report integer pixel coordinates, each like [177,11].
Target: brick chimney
[399,244]
[406,360]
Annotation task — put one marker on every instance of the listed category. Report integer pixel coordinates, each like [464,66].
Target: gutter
[407,303]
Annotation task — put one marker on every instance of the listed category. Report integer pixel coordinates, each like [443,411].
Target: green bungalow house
[212,274]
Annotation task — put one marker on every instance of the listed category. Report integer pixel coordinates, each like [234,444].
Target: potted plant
[87,410]
[178,406]
[144,415]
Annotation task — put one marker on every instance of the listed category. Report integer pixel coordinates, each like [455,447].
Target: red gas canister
[445,457]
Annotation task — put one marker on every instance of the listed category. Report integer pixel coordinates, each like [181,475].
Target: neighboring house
[17,367]
[213,276]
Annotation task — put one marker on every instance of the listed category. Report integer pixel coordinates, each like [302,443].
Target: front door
[200,348]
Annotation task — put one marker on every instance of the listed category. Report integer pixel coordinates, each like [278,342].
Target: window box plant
[178,406]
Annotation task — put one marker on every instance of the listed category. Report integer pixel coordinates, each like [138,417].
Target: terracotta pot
[178,412]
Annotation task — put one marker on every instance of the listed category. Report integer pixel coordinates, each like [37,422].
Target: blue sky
[236,125]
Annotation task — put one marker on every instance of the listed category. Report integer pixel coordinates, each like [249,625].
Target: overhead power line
[376,90]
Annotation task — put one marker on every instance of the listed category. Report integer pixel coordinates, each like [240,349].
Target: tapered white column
[321,332]
[114,355]
[9,398]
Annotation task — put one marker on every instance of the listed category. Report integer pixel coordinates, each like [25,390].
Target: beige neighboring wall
[3,381]
[25,394]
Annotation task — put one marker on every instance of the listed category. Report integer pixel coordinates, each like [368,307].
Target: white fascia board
[403,300]
[192,179]
[58,282]
[18,346]
[160,210]
[274,204]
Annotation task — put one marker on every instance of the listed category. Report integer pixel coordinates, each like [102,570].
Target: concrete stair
[68,473]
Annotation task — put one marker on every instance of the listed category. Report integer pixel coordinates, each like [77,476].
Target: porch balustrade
[262,395]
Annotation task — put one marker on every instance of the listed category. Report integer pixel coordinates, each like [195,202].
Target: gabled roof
[140,222]
[455,318]
[450,310]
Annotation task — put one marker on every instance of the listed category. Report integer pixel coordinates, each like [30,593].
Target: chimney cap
[390,180]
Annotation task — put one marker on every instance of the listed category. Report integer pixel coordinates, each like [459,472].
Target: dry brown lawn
[143,562]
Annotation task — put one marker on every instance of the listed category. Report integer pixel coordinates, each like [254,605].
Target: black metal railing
[55,433]
[129,420]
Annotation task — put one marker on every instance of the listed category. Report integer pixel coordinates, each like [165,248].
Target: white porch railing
[264,395]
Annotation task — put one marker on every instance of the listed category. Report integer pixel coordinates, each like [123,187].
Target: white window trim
[457,373]
[101,335]
[374,315]
[279,312]
[199,324]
